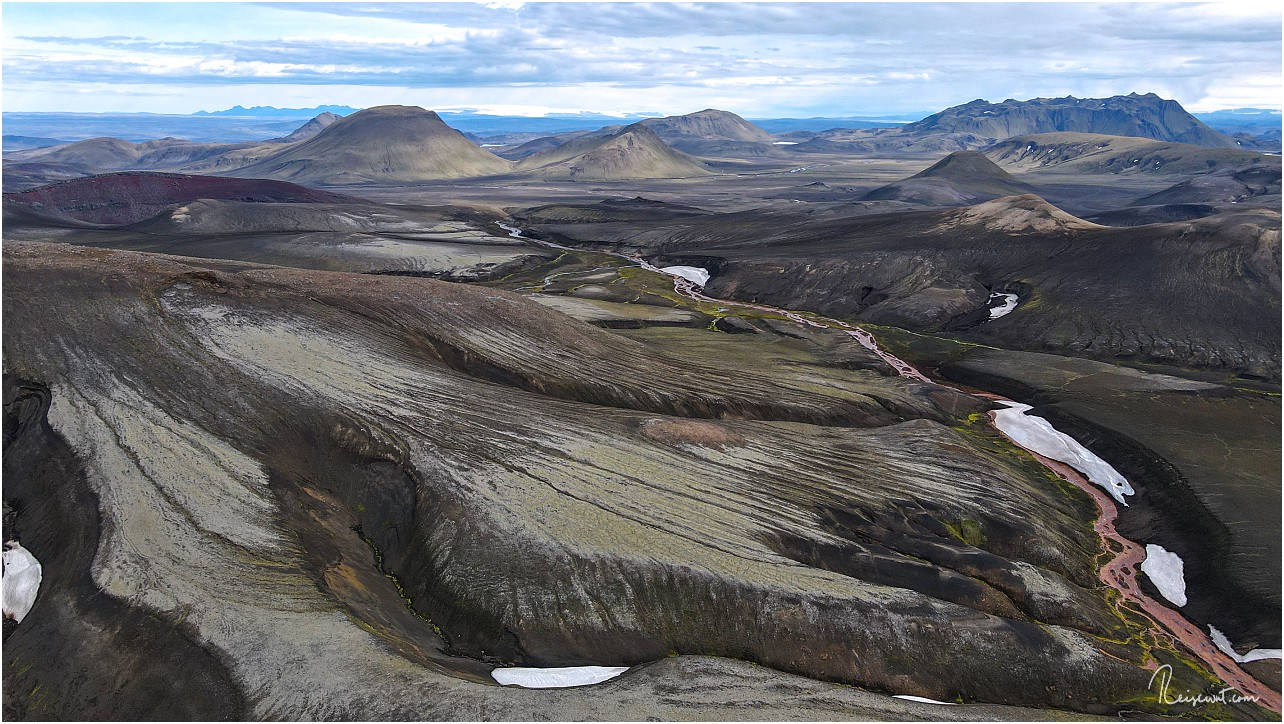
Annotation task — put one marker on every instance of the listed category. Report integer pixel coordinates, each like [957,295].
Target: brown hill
[386,144]
[1025,214]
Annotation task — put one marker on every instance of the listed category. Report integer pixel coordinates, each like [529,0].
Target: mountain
[274,112]
[635,152]
[709,132]
[126,198]
[1146,116]
[1097,153]
[386,144]
[959,179]
[311,128]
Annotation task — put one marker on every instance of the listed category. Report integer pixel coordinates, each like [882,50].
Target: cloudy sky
[757,59]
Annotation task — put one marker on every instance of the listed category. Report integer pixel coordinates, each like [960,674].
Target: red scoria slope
[130,197]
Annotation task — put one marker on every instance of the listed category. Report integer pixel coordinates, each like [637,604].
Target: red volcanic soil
[130,197]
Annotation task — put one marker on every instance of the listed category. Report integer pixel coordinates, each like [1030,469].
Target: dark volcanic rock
[545,492]
[1199,294]
[1233,185]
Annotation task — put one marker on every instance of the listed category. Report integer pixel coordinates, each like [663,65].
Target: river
[1120,573]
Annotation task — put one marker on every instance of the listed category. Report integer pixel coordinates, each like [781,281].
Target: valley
[864,423]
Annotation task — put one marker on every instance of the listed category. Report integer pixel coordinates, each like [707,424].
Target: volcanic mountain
[1147,116]
[636,152]
[126,198]
[386,144]
[959,179]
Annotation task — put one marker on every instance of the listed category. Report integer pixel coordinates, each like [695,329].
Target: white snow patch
[1038,435]
[923,700]
[1009,303]
[1224,644]
[556,678]
[22,574]
[699,275]
[1167,571]
[784,143]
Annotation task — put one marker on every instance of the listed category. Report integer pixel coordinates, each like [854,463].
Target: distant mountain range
[406,144]
[274,112]
[1141,115]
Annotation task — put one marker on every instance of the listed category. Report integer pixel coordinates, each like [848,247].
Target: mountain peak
[963,177]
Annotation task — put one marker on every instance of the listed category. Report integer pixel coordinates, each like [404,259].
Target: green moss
[966,530]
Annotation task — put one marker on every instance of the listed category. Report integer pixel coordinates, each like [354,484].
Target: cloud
[836,58]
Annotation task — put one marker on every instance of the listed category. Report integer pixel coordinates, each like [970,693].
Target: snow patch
[784,143]
[923,700]
[557,677]
[696,274]
[1038,435]
[22,574]
[1167,571]
[1223,643]
[1009,303]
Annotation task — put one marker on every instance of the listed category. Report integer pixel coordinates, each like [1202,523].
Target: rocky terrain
[1084,287]
[370,403]
[440,433]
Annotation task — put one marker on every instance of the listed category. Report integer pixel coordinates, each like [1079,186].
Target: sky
[761,60]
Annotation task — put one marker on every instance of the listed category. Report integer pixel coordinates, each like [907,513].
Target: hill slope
[386,144]
[711,132]
[961,178]
[635,152]
[1099,153]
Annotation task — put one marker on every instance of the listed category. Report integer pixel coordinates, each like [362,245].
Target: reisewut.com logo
[1164,675]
